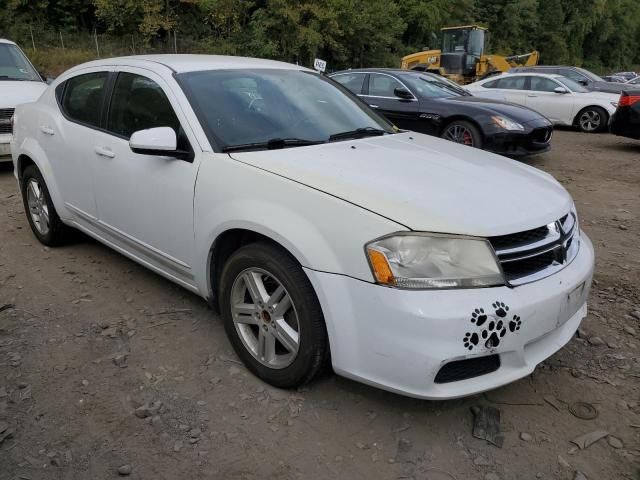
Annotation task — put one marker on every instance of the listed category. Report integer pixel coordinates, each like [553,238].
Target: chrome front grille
[537,253]
[6,125]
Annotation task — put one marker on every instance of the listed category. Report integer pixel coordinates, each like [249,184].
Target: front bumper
[5,148]
[398,340]
[530,142]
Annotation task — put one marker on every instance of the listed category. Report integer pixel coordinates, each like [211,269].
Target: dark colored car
[431,104]
[584,77]
[626,75]
[626,121]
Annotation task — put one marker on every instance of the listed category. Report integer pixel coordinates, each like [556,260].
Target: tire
[463,132]
[586,117]
[277,360]
[42,216]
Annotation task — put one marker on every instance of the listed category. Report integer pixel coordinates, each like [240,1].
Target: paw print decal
[478,317]
[514,325]
[494,330]
[470,340]
[501,309]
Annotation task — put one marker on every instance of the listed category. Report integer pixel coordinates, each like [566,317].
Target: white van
[19,83]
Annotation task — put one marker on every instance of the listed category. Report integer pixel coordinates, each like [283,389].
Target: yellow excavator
[462,57]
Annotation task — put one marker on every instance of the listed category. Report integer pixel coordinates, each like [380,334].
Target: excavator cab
[462,49]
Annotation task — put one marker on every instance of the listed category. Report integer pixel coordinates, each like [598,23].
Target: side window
[491,84]
[573,75]
[383,85]
[353,81]
[541,84]
[139,103]
[82,99]
[512,83]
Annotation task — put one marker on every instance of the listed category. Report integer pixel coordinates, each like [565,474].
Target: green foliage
[600,34]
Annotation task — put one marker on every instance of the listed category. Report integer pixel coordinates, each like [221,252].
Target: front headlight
[427,261]
[506,124]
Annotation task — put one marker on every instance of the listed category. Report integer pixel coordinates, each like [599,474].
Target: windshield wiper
[358,133]
[272,144]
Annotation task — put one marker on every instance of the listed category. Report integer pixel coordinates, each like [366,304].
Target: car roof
[4,40]
[373,70]
[524,74]
[180,63]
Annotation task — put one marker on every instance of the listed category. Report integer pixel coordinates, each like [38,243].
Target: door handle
[532,95]
[373,106]
[47,130]
[105,152]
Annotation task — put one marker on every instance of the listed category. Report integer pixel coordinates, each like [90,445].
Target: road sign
[319,65]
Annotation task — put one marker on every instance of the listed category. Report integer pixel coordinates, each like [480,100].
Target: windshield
[454,40]
[14,65]
[592,76]
[239,107]
[426,86]
[572,85]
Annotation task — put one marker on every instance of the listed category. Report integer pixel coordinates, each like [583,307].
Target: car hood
[492,107]
[14,93]
[601,96]
[424,183]
[609,87]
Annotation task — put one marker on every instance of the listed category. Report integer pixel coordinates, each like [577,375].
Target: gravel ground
[108,370]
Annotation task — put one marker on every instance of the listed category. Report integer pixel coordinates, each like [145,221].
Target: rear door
[541,97]
[379,95]
[513,88]
[68,140]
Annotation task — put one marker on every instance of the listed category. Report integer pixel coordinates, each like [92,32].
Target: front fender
[322,232]
[29,147]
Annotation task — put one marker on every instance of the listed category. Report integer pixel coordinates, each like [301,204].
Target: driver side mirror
[403,93]
[159,141]
[560,90]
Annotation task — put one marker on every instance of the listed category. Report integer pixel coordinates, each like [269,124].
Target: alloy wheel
[38,208]
[590,121]
[265,318]
[459,134]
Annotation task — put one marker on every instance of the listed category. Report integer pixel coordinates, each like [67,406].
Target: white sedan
[560,99]
[19,83]
[321,233]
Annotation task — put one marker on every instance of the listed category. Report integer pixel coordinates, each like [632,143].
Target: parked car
[19,83]
[587,79]
[309,221]
[558,98]
[626,121]
[614,79]
[626,75]
[634,81]
[428,103]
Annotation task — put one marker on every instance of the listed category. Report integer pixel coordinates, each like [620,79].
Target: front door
[145,202]
[404,113]
[542,97]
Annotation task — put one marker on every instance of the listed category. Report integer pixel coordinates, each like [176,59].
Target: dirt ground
[90,337]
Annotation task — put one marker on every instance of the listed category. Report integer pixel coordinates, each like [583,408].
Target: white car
[560,99]
[19,83]
[321,233]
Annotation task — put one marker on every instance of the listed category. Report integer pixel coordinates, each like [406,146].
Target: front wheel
[463,132]
[41,213]
[592,120]
[272,315]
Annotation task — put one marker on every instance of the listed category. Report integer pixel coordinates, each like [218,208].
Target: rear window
[82,98]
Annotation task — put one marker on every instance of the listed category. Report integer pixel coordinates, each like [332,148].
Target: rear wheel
[463,132]
[41,214]
[592,119]
[272,315]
